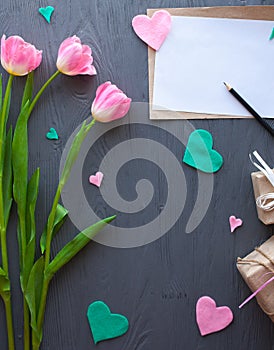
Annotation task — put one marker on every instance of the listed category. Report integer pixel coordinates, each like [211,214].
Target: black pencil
[249,108]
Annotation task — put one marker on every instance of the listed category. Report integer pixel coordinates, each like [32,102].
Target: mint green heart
[272,35]
[103,324]
[46,12]
[199,153]
[52,134]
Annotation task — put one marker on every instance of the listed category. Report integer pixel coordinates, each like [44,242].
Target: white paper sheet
[199,54]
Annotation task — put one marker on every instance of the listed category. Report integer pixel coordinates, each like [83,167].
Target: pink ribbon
[256,292]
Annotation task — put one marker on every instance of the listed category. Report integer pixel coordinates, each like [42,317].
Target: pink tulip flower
[75,58]
[110,103]
[19,57]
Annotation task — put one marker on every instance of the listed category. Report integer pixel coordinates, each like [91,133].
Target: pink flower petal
[19,57]
[75,58]
[110,103]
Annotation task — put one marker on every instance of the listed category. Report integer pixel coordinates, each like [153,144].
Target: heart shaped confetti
[199,153]
[52,134]
[272,35]
[210,318]
[103,324]
[46,12]
[153,31]
[234,223]
[96,179]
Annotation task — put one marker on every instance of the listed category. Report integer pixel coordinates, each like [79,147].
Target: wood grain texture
[156,286]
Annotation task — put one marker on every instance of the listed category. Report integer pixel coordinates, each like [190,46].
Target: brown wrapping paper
[261,185]
[253,269]
[238,12]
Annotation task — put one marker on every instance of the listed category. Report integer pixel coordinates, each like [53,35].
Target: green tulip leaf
[34,290]
[28,258]
[4,284]
[74,246]
[60,217]
[27,263]
[19,247]
[20,164]
[7,177]
[32,193]
[20,177]
[73,152]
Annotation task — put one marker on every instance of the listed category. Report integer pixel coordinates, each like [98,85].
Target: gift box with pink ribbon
[257,269]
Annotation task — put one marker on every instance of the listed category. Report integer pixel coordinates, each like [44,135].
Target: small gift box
[261,187]
[257,269]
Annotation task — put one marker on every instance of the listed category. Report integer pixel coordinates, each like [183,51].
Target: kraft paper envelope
[265,13]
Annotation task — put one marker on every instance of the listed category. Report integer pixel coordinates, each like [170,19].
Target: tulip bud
[75,58]
[110,103]
[19,57]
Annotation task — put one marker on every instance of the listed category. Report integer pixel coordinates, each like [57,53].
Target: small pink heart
[210,318]
[234,223]
[153,31]
[96,179]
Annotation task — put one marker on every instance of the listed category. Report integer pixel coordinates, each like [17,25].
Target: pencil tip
[227,86]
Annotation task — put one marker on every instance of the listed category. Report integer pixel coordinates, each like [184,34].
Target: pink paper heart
[234,223]
[210,318]
[153,31]
[96,179]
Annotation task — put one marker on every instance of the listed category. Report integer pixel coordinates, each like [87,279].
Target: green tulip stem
[7,302]
[4,114]
[26,325]
[39,93]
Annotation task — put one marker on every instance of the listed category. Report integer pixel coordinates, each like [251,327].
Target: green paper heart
[103,324]
[272,35]
[199,153]
[52,134]
[46,12]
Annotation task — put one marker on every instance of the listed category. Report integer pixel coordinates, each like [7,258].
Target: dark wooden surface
[156,286]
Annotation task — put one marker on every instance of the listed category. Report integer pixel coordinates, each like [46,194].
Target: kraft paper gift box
[261,185]
[256,268]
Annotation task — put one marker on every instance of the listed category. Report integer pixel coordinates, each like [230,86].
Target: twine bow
[265,201]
